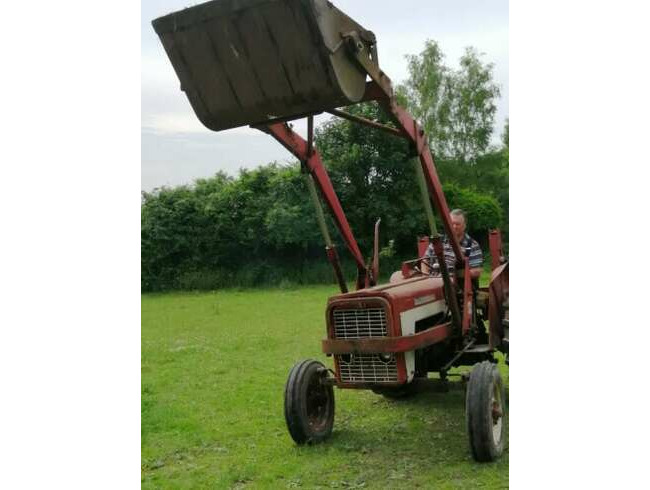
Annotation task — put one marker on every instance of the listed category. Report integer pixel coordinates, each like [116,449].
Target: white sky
[177,148]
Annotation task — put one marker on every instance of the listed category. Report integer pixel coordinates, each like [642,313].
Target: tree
[455,107]
[374,177]
[260,227]
[427,96]
[172,225]
[473,107]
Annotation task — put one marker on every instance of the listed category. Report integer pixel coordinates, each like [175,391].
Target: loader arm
[262,63]
[419,140]
[294,143]
[363,52]
[380,90]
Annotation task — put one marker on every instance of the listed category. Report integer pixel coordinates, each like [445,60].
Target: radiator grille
[360,323]
[367,368]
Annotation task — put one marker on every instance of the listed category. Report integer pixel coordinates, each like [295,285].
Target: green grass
[213,372]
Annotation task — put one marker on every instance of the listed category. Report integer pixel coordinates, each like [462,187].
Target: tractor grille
[357,324]
[367,368]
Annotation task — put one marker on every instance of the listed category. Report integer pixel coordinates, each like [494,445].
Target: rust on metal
[333,257]
[467,298]
[499,292]
[375,254]
[430,336]
[298,146]
[496,249]
[367,122]
[242,62]
[409,126]
[265,62]
[449,287]
[262,124]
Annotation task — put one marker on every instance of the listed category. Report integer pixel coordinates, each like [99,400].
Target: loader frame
[380,91]
[316,59]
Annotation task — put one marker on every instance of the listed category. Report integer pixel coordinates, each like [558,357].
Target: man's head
[458,223]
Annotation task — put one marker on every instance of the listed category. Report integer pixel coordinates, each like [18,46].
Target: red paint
[496,250]
[400,296]
[423,244]
[467,298]
[407,343]
[499,285]
[397,297]
[298,146]
[416,134]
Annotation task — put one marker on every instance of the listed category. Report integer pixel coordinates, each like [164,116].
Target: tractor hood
[401,296]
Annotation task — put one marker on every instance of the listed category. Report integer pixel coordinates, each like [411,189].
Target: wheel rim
[496,414]
[317,404]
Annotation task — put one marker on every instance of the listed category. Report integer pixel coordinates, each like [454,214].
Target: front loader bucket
[244,62]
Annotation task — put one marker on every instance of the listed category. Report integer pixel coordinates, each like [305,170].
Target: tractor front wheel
[308,403]
[485,409]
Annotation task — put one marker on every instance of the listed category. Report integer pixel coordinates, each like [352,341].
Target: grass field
[213,372]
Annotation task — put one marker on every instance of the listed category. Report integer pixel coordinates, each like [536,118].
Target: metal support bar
[468,294]
[375,254]
[496,249]
[298,147]
[367,122]
[381,91]
[435,190]
[426,202]
[450,290]
[262,124]
[330,249]
[333,257]
[320,216]
[446,367]
[310,136]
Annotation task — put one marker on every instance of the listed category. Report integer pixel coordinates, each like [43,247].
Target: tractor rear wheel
[308,403]
[485,411]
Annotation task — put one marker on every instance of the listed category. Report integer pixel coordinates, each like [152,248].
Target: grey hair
[460,212]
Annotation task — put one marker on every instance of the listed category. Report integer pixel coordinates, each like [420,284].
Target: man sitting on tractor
[470,246]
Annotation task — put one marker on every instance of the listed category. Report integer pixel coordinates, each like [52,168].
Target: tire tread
[478,415]
[293,415]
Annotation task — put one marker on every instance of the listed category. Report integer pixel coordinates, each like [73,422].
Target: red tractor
[264,63]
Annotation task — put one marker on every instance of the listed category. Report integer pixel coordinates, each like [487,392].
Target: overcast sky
[177,148]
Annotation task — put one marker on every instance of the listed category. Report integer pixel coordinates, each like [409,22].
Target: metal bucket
[245,62]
